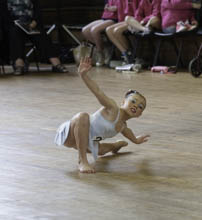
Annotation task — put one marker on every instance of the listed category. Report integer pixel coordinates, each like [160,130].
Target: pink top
[148,9]
[173,11]
[109,14]
[126,7]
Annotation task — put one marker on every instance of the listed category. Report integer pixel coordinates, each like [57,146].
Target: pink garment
[126,7]
[148,9]
[109,14]
[173,11]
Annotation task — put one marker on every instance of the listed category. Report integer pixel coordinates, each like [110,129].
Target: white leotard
[100,129]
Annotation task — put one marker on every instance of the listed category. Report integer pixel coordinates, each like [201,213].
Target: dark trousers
[18,39]
[4,45]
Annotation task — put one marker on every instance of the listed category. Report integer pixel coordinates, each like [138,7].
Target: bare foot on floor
[86,168]
[118,145]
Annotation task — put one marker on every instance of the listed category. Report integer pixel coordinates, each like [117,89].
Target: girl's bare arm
[84,68]
[127,132]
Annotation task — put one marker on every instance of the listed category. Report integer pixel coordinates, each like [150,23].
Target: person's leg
[154,22]
[86,31]
[96,33]
[54,61]
[19,62]
[115,34]
[17,45]
[80,132]
[111,147]
[134,24]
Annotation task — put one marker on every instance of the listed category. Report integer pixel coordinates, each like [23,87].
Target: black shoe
[127,57]
[19,70]
[59,69]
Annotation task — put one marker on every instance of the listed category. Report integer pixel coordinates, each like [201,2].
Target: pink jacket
[148,9]
[173,11]
[109,14]
[126,7]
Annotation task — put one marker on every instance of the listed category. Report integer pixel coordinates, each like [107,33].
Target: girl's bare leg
[86,31]
[54,61]
[19,62]
[111,147]
[81,134]
[131,21]
[96,33]
[115,34]
[154,22]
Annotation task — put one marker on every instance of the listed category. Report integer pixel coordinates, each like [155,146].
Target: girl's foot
[118,145]
[86,168]
[100,59]
[127,57]
[18,70]
[59,68]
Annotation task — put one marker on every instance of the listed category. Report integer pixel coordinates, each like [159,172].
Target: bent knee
[119,31]
[155,22]
[154,18]
[83,116]
[109,30]
[85,30]
[127,18]
[96,30]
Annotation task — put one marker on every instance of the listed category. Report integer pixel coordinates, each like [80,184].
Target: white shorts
[62,134]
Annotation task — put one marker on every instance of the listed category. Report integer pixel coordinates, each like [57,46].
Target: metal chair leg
[156,55]
[179,57]
[178,52]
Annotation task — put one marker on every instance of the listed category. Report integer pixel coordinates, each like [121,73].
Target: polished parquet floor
[158,180]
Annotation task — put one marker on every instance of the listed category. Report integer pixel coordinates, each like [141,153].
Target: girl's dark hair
[131,91]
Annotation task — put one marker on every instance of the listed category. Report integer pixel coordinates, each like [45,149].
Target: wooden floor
[158,180]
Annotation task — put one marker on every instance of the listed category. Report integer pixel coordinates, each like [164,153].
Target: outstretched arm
[84,68]
[127,132]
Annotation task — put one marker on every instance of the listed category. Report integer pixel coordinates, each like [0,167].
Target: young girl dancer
[92,31]
[84,132]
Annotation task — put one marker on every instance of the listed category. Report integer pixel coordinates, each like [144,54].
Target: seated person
[92,31]
[147,17]
[28,12]
[178,15]
[4,43]
[1,31]
[115,31]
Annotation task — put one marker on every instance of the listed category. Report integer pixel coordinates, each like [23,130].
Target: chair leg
[152,48]
[196,44]
[136,46]
[156,55]
[36,60]
[179,57]
[178,52]
[2,69]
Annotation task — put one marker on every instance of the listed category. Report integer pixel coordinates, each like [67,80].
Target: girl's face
[134,105]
